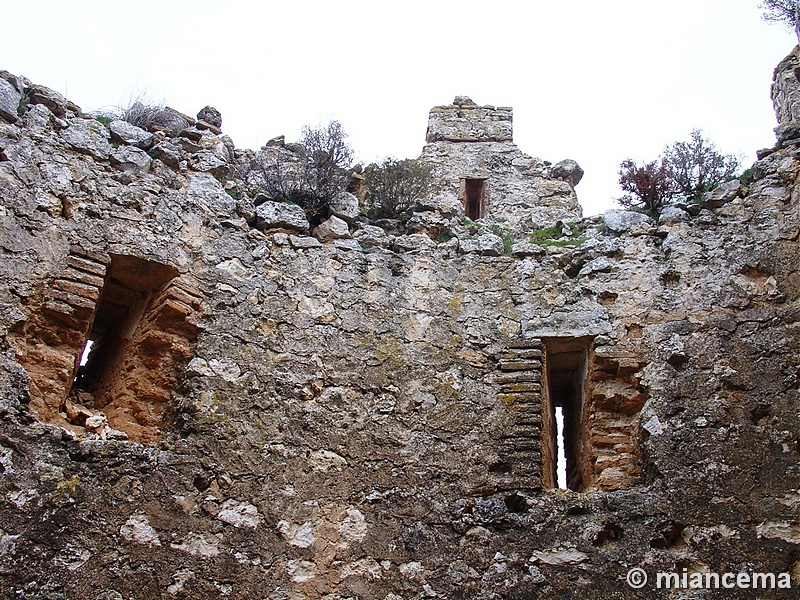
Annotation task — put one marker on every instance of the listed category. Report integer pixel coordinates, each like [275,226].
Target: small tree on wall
[695,166]
[783,11]
[309,173]
[648,188]
[685,170]
[394,185]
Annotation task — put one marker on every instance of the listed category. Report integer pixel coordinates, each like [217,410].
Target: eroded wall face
[310,420]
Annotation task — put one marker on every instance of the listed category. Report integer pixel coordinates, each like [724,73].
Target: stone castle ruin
[205,396]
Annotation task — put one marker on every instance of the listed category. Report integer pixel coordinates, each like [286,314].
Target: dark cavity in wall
[473,195]
[138,319]
[126,294]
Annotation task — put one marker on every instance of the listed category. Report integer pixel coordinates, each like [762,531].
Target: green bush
[393,186]
[309,173]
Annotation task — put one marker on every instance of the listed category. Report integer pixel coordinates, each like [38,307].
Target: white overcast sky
[594,81]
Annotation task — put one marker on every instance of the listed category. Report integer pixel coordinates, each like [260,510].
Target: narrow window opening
[561,460]
[473,198]
[129,286]
[86,351]
[564,431]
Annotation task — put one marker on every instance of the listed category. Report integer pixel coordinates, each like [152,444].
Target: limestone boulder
[210,115]
[39,94]
[430,223]
[672,215]
[206,160]
[89,136]
[413,242]
[448,206]
[345,206]
[567,170]
[9,101]
[333,228]
[131,159]
[279,215]
[370,236]
[486,244]
[206,195]
[125,133]
[722,194]
[168,153]
[627,221]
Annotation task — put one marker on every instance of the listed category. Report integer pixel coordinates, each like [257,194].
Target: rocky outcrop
[786,88]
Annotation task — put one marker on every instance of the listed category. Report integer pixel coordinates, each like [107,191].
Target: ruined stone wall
[370,416]
[470,142]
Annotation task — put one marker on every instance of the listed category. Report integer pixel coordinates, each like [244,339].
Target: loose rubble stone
[38,94]
[279,215]
[568,170]
[131,159]
[722,194]
[9,101]
[431,223]
[370,236]
[88,135]
[345,206]
[331,229]
[169,153]
[210,115]
[487,244]
[670,215]
[626,221]
[125,133]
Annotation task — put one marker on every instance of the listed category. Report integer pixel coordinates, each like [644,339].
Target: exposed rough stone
[521,249]
[199,545]
[345,206]
[445,205]
[279,215]
[210,115]
[239,514]
[430,223]
[304,242]
[206,160]
[627,221]
[169,153]
[138,529]
[331,229]
[786,88]
[38,94]
[131,159]
[722,194]
[560,557]
[370,236]
[487,244]
[88,135]
[125,133]
[670,215]
[9,101]
[412,242]
[568,170]
[205,193]
[297,534]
